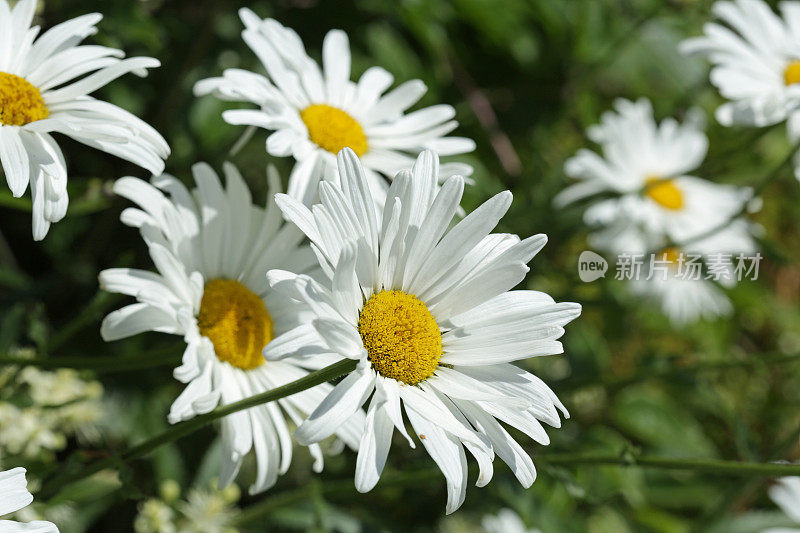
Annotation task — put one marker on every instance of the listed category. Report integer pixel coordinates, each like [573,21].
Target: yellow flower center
[792,73]
[672,254]
[401,336]
[664,192]
[20,102]
[236,321]
[333,129]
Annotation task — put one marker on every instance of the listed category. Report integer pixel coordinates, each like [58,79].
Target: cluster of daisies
[365,257]
[658,209]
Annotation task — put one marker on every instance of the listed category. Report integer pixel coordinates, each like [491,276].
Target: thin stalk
[712,466]
[178,431]
[401,479]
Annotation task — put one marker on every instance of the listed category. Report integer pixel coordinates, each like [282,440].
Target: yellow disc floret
[791,74]
[236,321]
[401,336]
[333,129]
[664,192]
[20,102]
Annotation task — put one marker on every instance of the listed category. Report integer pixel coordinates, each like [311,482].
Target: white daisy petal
[14,496]
[345,399]
[374,447]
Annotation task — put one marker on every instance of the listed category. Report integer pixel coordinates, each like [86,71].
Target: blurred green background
[526,79]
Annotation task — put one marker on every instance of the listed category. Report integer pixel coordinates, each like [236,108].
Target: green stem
[177,431]
[714,466]
[400,479]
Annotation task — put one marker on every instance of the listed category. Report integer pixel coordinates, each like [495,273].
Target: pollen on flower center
[401,336]
[236,321]
[791,74]
[20,102]
[664,192]
[333,129]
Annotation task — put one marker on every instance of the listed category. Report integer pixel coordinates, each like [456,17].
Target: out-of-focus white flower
[655,205]
[686,295]
[505,521]
[645,166]
[203,511]
[756,60]
[58,405]
[756,63]
[155,516]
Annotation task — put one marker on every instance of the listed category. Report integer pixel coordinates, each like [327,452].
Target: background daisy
[687,282]
[756,63]
[428,314]
[45,84]
[316,112]
[645,165]
[212,247]
[14,496]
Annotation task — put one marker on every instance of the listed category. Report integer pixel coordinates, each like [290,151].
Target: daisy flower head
[755,57]
[756,60]
[688,281]
[786,495]
[429,316]
[211,248]
[314,112]
[14,496]
[645,166]
[45,84]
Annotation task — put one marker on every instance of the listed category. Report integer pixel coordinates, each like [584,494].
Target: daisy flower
[44,89]
[212,247]
[429,317]
[786,495]
[316,112]
[505,521]
[14,496]
[756,63]
[688,281]
[645,165]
